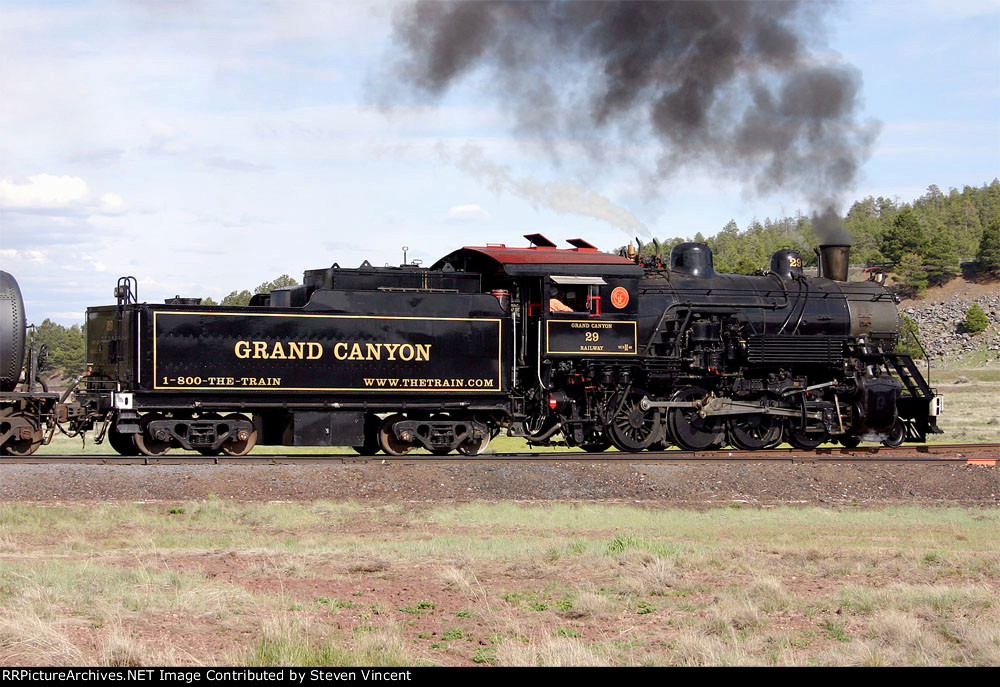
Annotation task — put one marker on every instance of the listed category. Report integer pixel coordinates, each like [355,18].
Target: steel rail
[973,454]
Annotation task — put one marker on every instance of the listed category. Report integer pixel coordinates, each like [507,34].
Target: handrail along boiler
[642,353]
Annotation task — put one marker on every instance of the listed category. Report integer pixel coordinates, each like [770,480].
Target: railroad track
[972,454]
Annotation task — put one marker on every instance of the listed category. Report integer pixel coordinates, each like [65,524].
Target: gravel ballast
[680,485]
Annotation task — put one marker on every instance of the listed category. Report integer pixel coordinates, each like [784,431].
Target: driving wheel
[755,432]
[632,428]
[896,435]
[849,441]
[691,431]
[806,441]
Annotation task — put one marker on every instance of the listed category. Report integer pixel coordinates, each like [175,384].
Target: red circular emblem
[619,297]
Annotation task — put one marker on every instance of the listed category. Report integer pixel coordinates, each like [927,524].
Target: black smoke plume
[738,88]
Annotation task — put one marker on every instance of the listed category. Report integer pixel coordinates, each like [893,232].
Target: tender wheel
[473,447]
[147,445]
[242,445]
[371,445]
[635,429]
[850,441]
[124,444]
[896,435]
[388,441]
[210,451]
[754,432]
[688,429]
[24,447]
[806,441]
[443,417]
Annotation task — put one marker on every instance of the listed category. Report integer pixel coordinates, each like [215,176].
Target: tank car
[29,413]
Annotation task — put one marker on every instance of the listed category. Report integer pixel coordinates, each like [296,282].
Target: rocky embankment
[941,328]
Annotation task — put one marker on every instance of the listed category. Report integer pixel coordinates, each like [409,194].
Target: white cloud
[161,130]
[95,264]
[24,255]
[112,204]
[43,191]
[467,213]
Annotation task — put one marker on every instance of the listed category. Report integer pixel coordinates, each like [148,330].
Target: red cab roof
[543,252]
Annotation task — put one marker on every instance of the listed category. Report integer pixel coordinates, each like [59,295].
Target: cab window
[574,298]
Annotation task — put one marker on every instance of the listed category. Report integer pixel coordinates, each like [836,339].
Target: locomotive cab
[571,308]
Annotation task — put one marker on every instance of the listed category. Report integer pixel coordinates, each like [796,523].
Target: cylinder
[703,331]
[834,260]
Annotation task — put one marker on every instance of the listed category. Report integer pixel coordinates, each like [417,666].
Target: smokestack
[834,259]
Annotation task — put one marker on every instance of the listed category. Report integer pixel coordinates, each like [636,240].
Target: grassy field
[214,582]
[972,408]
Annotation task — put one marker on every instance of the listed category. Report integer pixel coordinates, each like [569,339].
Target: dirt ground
[361,564]
[222,582]
[957,288]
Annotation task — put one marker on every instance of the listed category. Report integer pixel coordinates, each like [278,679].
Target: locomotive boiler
[539,342]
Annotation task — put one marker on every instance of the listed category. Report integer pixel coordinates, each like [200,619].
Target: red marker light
[553,402]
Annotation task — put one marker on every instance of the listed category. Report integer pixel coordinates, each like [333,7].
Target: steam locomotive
[539,342]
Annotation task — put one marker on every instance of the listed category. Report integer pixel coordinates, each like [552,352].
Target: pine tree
[65,348]
[237,298]
[903,236]
[975,319]
[988,255]
[744,266]
[911,268]
[941,260]
[269,286]
[909,338]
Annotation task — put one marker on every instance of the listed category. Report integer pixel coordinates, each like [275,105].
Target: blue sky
[209,146]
